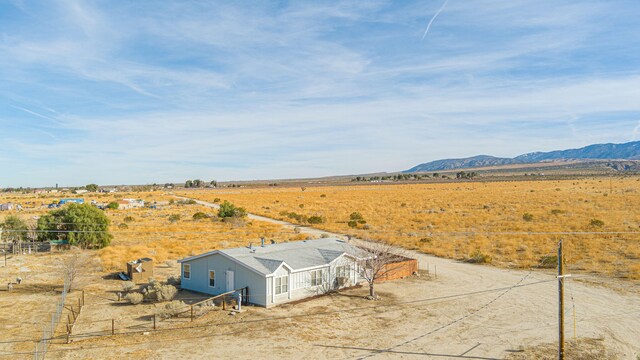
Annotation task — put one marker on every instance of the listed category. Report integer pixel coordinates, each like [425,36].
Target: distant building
[71,201]
[126,204]
[6,207]
[81,191]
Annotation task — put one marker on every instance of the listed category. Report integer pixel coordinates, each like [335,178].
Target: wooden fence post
[113,326]
[191,312]
[224,303]
[154,321]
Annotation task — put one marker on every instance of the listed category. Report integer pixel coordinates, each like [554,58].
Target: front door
[230,281]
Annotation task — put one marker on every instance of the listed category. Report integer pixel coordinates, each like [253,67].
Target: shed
[140,270]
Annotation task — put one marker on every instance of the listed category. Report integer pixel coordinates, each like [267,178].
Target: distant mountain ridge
[626,151]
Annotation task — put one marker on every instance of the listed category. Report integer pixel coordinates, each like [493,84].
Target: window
[343,271]
[316,277]
[282,285]
[186,271]
[212,278]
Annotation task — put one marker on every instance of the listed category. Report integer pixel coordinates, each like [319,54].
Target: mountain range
[626,151]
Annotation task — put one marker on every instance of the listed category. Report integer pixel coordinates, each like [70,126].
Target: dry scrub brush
[463,220]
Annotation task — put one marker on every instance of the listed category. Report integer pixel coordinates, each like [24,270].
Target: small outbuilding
[141,270]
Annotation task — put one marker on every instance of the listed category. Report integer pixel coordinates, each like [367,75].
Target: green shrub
[112,205]
[199,216]
[352,224]
[556,211]
[123,226]
[356,216]
[216,200]
[315,219]
[128,219]
[174,218]
[228,210]
[527,217]
[323,195]
[596,223]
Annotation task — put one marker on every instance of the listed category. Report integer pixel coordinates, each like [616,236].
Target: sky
[139,92]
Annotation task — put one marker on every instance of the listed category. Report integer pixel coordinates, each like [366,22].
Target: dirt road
[522,316]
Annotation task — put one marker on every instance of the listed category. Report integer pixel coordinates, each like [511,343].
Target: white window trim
[286,277]
[321,277]
[184,267]
[343,271]
[214,278]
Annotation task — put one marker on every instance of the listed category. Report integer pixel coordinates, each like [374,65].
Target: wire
[331,312]
[460,318]
[525,233]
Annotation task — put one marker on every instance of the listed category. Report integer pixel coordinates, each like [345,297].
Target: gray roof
[297,255]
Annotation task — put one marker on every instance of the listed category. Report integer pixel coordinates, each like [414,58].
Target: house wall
[243,277]
[300,281]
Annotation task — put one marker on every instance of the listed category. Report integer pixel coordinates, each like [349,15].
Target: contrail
[433,18]
[37,114]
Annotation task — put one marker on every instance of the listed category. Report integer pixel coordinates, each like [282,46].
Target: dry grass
[452,219]
[150,233]
[581,349]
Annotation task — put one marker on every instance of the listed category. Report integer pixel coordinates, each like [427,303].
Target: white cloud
[183,90]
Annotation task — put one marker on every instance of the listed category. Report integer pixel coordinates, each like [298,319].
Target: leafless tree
[72,267]
[380,261]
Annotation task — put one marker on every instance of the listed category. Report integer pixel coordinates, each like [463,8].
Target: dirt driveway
[527,315]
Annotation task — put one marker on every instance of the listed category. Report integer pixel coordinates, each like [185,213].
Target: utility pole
[561,277]
[560,304]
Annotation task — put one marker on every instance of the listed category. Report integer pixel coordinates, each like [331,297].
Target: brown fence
[399,268]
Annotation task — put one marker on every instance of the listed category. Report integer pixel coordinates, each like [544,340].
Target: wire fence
[49,329]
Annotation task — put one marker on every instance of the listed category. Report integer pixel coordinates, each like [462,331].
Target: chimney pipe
[262,241]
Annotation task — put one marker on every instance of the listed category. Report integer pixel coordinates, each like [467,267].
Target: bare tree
[381,260]
[72,267]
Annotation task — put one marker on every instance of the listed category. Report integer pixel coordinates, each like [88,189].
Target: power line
[460,318]
[438,299]
[573,233]
[322,313]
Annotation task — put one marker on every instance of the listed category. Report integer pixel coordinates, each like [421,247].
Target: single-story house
[275,273]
